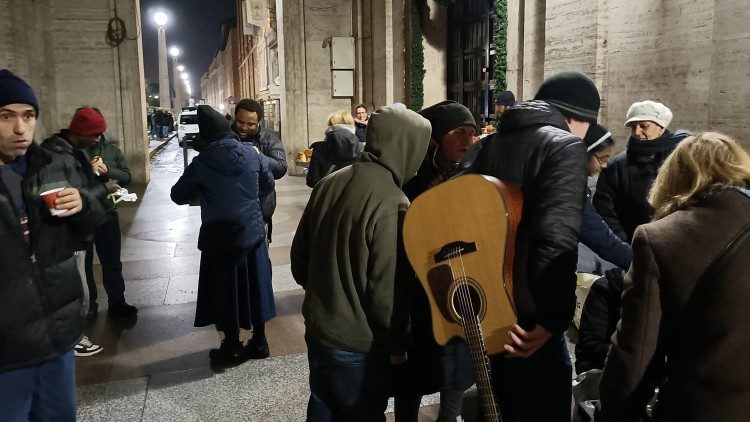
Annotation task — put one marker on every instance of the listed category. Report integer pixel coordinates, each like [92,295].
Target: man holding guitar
[538,147]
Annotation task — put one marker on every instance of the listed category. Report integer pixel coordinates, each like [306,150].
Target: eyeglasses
[599,159]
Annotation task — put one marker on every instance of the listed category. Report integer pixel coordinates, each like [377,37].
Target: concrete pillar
[534,45]
[163,72]
[435,44]
[293,75]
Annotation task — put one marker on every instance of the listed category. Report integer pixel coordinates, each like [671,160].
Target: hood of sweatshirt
[397,139]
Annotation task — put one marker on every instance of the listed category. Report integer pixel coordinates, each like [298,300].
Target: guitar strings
[473,332]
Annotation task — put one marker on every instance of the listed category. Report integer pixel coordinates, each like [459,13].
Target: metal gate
[470,56]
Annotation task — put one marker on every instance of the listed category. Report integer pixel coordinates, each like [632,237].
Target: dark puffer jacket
[599,317]
[269,143]
[40,291]
[623,186]
[340,149]
[534,150]
[229,177]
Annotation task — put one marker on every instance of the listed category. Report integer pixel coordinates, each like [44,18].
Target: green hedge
[500,35]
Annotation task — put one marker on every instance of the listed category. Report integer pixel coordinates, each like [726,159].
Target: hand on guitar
[525,343]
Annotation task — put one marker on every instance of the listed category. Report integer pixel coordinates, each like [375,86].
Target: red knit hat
[87,122]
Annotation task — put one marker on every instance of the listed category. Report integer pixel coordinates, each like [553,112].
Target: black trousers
[107,240]
[535,389]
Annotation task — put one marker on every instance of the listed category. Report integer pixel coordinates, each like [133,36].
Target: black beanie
[211,124]
[595,136]
[573,93]
[505,98]
[446,116]
[14,90]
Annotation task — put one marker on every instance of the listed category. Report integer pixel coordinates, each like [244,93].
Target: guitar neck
[475,340]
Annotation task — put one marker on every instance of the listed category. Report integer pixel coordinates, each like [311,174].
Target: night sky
[193,27]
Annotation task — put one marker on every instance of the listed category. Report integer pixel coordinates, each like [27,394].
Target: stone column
[290,18]
[163,73]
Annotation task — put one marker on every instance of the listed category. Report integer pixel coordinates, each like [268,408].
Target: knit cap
[14,90]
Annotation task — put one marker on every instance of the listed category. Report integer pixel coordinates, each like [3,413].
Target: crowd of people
[160,123]
[671,214]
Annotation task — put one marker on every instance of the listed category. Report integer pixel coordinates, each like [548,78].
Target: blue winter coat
[596,234]
[229,177]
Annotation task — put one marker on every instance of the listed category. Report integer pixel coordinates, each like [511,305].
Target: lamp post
[160,18]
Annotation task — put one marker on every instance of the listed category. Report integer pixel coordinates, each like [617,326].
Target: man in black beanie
[538,147]
[453,130]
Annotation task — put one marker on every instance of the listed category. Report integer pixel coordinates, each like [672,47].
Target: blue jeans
[535,389]
[108,242]
[45,392]
[347,386]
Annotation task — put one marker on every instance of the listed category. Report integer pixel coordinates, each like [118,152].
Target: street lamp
[184,76]
[174,52]
[160,18]
[180,68]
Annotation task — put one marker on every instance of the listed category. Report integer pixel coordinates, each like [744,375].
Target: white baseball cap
[649,111]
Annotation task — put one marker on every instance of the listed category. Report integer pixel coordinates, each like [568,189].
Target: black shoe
[122,310]
[257,348]
[93,312]
[230,351]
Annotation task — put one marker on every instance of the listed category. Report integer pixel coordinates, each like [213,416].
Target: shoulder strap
[720,262]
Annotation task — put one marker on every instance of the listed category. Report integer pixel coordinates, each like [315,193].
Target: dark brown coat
[703,332]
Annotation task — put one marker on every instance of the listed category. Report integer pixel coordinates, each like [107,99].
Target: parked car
[187,126]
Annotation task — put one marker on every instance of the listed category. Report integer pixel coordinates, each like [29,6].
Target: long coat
[690,339]
[234,286]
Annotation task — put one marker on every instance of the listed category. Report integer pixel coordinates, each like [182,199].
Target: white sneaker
[86,347]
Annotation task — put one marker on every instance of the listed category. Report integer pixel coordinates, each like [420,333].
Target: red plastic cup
[49,198]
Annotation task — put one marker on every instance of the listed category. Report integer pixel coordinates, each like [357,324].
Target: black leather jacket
[40,287]
[534,150]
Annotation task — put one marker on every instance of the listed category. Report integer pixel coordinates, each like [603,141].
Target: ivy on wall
[500,38]
[417,56]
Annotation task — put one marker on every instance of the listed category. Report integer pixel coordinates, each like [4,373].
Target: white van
[187,126]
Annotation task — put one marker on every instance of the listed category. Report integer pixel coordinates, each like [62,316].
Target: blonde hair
[340,117]
[700,165]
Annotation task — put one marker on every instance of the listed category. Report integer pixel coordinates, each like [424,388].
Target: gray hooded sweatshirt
[347,252]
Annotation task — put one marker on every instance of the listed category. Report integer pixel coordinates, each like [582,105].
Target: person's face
[83,141]
[598,160]
[645,130]
[246,122]
[361,114]
[500,109]
[456,142]
[17,123]
[578,127]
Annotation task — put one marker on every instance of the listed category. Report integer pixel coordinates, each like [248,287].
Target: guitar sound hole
[467,301]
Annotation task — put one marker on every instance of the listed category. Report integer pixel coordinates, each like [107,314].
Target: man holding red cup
[40,293]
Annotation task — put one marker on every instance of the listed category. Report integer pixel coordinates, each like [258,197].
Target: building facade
[58,47]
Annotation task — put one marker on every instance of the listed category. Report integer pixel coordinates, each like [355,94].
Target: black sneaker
[122,310]
[257,348]
[86,347]
[230,351]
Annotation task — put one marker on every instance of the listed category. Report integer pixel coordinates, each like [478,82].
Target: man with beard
[247,117]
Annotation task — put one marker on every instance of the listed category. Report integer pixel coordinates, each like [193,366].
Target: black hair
[604,144]
[360,106]
[250,105]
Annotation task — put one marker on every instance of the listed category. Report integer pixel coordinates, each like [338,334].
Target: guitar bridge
[454,249]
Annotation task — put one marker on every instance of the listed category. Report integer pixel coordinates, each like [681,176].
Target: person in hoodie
[432,367]
[348,255]
[339,149]
[361,117]
[623,186]
[538,147]
[234,285]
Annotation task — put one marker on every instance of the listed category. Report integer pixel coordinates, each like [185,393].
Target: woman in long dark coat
[234,287]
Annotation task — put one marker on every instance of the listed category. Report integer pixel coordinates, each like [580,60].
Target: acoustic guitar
[460,239]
